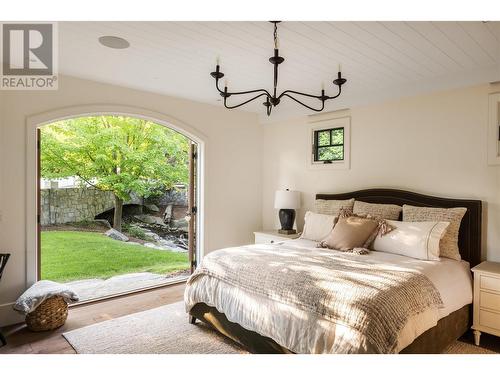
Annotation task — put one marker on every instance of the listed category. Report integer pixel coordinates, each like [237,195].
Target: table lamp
[287,201]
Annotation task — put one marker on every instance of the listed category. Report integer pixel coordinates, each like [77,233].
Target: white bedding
[303,332]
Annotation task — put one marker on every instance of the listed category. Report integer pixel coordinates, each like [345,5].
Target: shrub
[134,231]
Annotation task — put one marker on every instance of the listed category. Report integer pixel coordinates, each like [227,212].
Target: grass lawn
[68,255]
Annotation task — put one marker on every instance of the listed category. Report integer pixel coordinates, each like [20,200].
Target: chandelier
[275,99]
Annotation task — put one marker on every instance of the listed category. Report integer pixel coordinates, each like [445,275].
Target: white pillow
[317,226]
[413,239]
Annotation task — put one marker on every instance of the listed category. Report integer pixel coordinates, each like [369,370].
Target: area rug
[459,347]
[165,330]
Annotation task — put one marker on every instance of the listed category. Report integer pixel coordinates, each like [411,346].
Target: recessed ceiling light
[114,42]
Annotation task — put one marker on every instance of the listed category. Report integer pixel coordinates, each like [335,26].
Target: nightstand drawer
[260,238]
[273,237]
[491,283]
[489,319]
[489,301]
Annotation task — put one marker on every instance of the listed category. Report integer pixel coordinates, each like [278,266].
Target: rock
[155,246]
[152,236]
[181,225]
[150,219]
[167,216]
[135,199]
[163,242]
[165,247]
[114,234]
[178,250]
[152,207]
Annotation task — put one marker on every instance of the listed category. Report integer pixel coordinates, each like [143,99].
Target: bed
[264,326]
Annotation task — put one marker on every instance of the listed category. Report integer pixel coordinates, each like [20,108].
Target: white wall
[433,144]
[232,166]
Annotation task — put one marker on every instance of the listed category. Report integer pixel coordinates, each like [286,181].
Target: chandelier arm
[310,95]
[285,93]
[263,91]
[336,96]
[305,105]
[245,102]
[241,92]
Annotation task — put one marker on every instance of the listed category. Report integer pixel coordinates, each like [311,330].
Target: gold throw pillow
[351,232]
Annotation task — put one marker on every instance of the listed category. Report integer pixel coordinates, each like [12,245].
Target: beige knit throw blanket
[373,298]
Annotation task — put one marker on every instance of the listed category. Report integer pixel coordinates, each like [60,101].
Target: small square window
[328,145]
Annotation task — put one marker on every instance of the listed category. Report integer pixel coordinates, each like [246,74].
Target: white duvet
[304,332]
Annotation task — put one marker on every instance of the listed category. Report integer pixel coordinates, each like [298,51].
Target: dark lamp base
[287,231]
[287,218]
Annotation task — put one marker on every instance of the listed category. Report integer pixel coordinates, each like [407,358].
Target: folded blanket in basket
[39,292]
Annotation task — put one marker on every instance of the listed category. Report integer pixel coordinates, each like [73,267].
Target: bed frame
[434,340]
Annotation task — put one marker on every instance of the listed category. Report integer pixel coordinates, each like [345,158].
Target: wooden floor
[21,340]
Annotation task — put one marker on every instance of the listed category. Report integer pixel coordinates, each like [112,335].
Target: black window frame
[317,147]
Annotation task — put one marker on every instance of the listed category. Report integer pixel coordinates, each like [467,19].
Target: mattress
[303,332]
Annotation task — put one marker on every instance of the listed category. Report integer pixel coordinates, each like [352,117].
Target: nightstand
[486,299]
[273,236]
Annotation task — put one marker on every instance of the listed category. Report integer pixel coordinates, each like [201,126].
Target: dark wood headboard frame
[469,239]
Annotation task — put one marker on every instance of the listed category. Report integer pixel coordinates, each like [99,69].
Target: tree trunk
[117,218]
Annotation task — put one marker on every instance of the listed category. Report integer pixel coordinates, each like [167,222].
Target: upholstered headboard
[469,239]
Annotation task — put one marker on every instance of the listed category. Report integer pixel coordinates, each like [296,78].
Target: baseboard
[8,316]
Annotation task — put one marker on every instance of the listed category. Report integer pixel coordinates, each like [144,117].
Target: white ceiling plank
[406,31]
[438,38]
[319,36]
[370,57]
[494,28]
[404,46]
[464,41]
[483,37]
[378,47]
[377,36]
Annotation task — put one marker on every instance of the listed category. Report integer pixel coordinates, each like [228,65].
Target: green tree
[114,153]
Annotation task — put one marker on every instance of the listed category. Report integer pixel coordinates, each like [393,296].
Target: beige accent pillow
[382,211]
[332,207]
[317,226]
[349,233]
[419,239]
[448,246]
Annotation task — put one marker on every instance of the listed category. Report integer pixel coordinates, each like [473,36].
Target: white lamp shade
[288,199]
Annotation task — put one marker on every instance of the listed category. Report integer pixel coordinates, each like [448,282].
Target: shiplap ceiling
[381,60]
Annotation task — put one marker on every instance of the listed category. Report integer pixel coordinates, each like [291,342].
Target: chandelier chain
[275,35]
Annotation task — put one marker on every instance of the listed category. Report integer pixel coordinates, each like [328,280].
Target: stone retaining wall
[61,206]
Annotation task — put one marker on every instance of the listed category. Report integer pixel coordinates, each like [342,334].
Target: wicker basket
[51,314]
